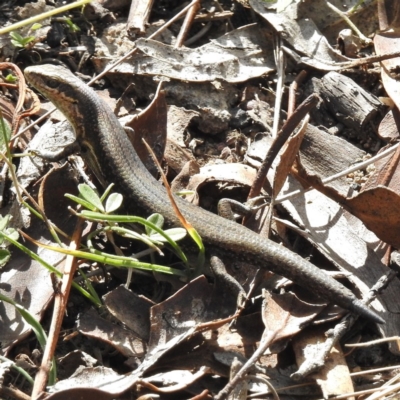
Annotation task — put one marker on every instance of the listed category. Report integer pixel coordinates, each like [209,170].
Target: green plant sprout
[10,78]
[99,209]
[72,27]
[20,41]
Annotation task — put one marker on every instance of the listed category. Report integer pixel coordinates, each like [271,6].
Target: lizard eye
[53,83]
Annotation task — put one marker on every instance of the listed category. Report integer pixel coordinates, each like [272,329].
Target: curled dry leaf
[234,174]
[178,121]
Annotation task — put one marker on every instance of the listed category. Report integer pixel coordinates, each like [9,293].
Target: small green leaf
[28,40]
[15,43]
[4,221]
[174,233]
[113,202]
[106,192]
[19,41]
[5,134]
[36,26]
[91,196]
[10,78]
[71,25]
[95,216]
[157,220]
[12,233]
[80,201]
[16,36]
[4,257]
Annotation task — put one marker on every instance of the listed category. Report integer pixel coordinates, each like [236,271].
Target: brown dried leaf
[131,309]
[195,304]
[150,125]
[287,314]
[379,209]
[92,325]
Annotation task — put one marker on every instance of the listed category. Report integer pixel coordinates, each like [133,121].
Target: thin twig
[187,24]
[374,371]
[349,22]
[280,69]
[373,342]
[294,87]
[387,388]
[302,110]
[60,305]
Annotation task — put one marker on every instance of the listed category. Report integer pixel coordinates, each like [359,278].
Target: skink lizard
[107,150]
